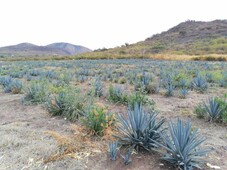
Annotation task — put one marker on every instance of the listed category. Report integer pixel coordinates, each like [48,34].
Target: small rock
[213,166]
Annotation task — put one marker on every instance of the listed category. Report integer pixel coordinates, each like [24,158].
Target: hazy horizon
[100,23]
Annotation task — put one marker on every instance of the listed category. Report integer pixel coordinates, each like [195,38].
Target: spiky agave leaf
[127,157]
[183,92]
[113,150]
[139,129]
[182,146]
[56,106]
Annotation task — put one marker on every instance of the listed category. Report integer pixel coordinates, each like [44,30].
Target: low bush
[97,119]
[223,106]
[37,92]
[69,103]
[140,97]
[122,80]
[16,86]
[117,95]
[200,111]
[11,85]
[152,89]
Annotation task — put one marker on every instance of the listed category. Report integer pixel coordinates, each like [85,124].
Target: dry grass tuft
[78,145]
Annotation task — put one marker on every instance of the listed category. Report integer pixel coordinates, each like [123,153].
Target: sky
[98,23]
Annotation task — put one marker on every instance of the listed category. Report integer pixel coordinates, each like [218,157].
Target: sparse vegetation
[95,94]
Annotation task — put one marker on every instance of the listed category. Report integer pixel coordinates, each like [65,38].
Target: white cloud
[98,23]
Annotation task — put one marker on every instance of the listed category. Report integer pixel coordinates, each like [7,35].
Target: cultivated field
[69,114]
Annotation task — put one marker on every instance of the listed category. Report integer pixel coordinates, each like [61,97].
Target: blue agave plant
[5,81]
[56,107]
[140,129]
[183,92]
[182,146]
[127,157]
[169,90]
[113,150]
[199,84]
[213,109]
[98,87]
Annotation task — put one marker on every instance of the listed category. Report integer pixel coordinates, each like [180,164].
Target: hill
[55,49]
[187,38]
[191,37]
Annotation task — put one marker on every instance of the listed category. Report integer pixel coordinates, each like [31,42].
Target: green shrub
[16,86]
[223,105]
[97,119]
[117,95]
[68,103]
[36,93]
[122,80]
[200,111]
[140,97]
[56,106]
[12,85]
[152,88]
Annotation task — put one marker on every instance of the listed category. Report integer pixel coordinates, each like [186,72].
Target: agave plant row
[149,75]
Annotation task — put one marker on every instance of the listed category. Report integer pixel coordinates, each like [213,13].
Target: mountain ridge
[54,49]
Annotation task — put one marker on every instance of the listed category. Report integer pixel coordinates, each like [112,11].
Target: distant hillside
[55,49]
[70,49]
[190,38]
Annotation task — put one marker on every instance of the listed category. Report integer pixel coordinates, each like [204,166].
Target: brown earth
[25,144]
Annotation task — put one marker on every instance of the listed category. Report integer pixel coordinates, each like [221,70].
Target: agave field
[113,114]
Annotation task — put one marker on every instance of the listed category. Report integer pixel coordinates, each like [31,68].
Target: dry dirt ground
[24,143]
